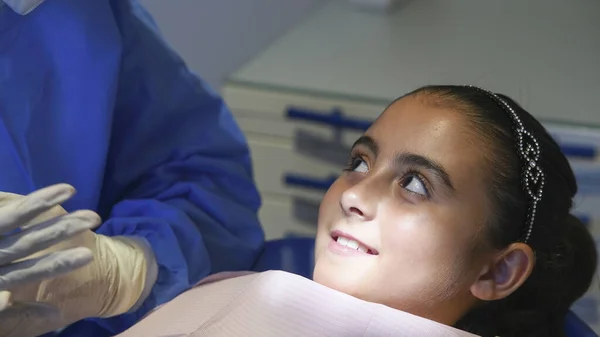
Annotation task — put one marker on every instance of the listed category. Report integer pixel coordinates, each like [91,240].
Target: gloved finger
[29,319]
[19,211]
[44,267]
[48,233]
[4,299]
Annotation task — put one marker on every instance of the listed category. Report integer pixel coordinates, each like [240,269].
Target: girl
[455,207]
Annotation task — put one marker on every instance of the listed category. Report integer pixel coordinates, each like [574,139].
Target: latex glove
[26,319]
[30,319]
[120,276]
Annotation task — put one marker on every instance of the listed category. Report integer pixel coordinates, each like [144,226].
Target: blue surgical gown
[91,95]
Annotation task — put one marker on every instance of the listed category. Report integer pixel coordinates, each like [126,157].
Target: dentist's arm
[178,170]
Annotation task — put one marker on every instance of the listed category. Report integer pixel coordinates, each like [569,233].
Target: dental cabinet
[303,101]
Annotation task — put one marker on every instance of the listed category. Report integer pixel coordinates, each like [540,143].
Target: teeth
[351,244]
[342,241]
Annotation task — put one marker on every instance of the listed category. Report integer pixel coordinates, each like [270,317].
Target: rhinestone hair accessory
[529,152]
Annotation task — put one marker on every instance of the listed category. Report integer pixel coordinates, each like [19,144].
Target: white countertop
[544,53]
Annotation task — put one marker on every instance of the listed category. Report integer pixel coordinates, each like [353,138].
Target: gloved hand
[31,319]
[120,276]
[21,319]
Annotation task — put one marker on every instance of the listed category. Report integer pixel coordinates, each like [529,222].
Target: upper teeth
[351,244]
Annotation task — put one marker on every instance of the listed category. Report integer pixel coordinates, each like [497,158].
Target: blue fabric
[294,255]
[91,95]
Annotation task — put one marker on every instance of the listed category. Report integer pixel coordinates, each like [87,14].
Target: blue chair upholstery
[295,255]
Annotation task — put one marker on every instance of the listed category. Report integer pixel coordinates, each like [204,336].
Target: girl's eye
[358,165]
[414,184]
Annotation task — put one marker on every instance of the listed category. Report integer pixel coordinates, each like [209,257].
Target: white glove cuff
[151,271]
[126,262]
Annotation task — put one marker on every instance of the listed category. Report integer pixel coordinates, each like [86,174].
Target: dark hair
[564,249]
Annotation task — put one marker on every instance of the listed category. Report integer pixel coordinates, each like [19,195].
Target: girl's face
[400,227]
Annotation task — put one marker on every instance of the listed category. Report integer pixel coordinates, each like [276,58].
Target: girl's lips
[364,248]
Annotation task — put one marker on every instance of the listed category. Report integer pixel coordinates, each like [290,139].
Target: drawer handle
[579,151]
[309,182]
[585,219]
[334,118]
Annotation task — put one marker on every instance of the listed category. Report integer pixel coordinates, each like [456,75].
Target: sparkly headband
[529,151]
